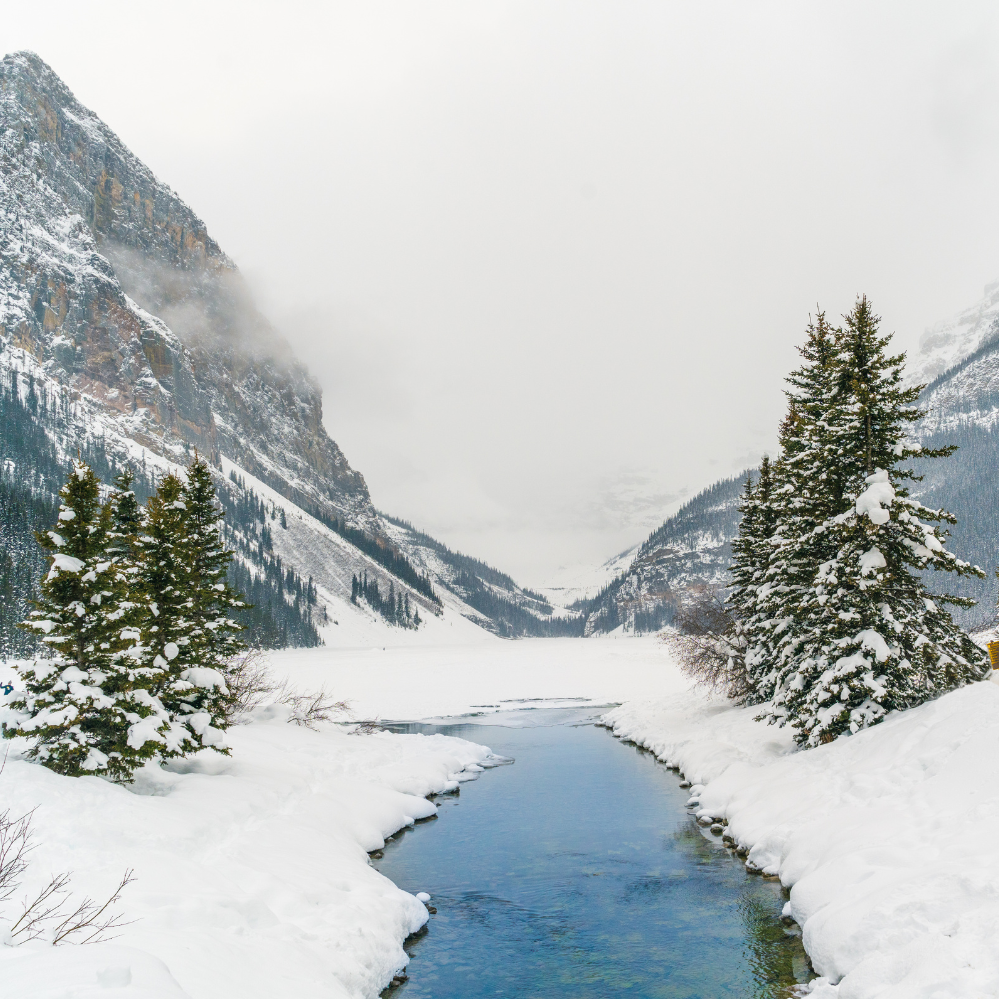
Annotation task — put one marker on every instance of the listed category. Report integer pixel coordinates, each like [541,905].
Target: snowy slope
[319,553]
[879,836]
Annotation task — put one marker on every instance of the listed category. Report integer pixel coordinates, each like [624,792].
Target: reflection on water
[578,872]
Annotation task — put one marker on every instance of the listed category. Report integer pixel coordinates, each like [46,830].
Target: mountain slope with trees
[128,336]
[959,360]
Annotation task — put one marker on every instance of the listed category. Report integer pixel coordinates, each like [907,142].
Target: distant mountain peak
[948,342]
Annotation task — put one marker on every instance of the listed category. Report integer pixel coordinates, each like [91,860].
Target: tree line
[829,623]
[394,607]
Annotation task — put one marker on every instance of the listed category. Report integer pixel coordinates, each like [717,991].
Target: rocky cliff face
[125,318]
[114,286]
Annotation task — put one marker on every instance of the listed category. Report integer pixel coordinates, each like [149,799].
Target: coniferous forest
[835,615]
[31,472]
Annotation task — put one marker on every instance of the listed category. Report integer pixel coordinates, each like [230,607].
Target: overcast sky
[550,260]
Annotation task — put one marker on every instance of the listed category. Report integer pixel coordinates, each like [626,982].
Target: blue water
[577,871]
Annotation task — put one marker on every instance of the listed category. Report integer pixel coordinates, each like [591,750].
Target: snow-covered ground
[423,681]
[884,837]
[252,873]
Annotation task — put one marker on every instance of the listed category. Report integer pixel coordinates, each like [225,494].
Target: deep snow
[252,875]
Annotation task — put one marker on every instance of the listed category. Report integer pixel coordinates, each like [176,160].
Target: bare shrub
[309,709]
[706,643]
[50,915]
[15,845]
[251,685]
[367,728]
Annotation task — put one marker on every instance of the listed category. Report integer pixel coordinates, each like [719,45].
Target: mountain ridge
[118,305]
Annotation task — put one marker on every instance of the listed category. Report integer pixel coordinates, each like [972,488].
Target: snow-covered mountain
[571,584]
[691,547]
[127,333]
[958,361]
[948,343]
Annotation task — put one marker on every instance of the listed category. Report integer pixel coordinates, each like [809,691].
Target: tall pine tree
[750,556]
[867,636]
[190,638]
[806,490]
[213,639]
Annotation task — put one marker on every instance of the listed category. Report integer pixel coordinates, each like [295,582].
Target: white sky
[549,260]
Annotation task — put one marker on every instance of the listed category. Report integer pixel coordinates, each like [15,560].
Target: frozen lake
[578,872]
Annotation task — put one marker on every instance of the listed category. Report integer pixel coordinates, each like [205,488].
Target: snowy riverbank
[252,874]
[885,837]
[253,877]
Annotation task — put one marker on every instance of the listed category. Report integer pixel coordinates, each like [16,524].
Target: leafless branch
[706,644]
[367,728]
[15,845]
[88,922]
[45,906]
[92,921]
[309,709]
[250,685]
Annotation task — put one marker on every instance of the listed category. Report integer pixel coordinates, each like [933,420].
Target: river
[577,871]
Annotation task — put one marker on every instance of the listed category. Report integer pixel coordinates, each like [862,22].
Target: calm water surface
[578,872]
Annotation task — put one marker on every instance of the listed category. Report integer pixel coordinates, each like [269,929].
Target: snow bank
[252,874]
[884,836]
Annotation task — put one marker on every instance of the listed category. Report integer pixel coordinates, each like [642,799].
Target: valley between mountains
[130,340]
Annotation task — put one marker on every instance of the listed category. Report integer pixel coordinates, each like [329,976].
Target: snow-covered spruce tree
[214,637]
[165,578]
[868,635]
[807,490]
[749,562]
[88,706]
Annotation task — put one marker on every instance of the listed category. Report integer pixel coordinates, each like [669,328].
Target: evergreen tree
[127,513]
[190,635]
[216,636]
[168,622]
[807,488]
[747,573]
[865,636]
[88,707]
[752,603]
[213,638]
